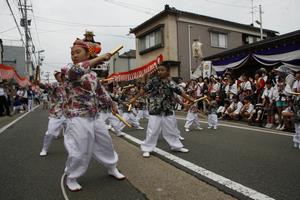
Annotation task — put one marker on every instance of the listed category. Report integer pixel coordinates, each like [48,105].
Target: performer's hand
[106,56]
[114,109]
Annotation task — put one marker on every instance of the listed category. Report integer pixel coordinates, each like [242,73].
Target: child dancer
[127,109]
[161,108]
[86,134]
[57,120]
[192,118]
[212,115]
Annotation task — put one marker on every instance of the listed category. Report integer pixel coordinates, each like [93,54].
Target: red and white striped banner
[137,72]
[8,72]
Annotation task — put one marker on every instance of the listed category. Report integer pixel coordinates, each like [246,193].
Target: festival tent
[271,52]
[9,72]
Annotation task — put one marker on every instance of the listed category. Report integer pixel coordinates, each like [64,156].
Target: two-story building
[172,33]
[122,62]
[14,55]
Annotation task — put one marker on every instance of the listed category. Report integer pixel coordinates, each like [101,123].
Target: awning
[283,49]
[9,72]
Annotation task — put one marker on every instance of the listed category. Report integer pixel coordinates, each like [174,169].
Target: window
[151,41]
[218,40]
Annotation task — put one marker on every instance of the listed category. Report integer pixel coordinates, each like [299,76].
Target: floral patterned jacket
[57,96]
[84,92]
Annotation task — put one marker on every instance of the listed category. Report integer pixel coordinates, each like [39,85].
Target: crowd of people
[14,99]
[265,99]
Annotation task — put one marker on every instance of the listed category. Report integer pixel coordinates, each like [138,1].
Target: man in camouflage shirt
[161,91]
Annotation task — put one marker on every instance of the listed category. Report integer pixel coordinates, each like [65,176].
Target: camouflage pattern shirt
[161,96]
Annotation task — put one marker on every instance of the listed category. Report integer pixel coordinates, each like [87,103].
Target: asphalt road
[265,162]
[262,161]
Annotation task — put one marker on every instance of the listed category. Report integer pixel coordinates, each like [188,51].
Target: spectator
[3,100]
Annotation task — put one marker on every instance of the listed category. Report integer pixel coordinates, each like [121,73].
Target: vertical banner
[206,66]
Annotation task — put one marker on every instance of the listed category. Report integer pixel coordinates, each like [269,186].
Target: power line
[227,4]
[15,21]
[69,23]
[131,6]
[12,28]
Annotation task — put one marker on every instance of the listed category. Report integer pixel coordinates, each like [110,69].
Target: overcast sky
[56,23]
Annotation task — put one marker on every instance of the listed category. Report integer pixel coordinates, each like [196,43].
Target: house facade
[15,56]
[172,33]
[122,62]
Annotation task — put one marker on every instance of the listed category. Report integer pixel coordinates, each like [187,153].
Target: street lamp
[40,59]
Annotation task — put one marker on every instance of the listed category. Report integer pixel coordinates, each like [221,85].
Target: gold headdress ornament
[90,33]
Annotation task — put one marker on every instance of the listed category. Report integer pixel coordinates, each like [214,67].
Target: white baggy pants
[30,104]
[164,125]
[296,138]
[131,119]
[113,120]
[86,137]
[212,120]
[54,127]
[192,119]
[143,113]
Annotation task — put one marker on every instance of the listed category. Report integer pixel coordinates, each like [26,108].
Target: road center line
[13,122]
[245,128]
[236,187]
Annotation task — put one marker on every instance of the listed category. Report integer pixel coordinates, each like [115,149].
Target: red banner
[8,72]
[137,72]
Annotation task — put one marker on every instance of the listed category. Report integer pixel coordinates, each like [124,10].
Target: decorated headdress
[89,33]
[81,43]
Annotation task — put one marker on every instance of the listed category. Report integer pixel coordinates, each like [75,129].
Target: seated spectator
[247,108]
[222,109]
[287,117]
[233,111]
[17,105]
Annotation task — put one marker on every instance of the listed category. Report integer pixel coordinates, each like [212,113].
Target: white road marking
[240,126]
[13,122]
[246,191]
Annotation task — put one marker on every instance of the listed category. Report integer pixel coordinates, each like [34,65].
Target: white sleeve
[251,108]
[239,107]
[295,85]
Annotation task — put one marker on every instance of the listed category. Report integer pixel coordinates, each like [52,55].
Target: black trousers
[4,105]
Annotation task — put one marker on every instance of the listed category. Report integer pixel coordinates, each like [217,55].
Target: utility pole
[26,23]
[260,20]
[252,12]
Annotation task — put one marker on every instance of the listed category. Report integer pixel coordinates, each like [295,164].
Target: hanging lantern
[197,49]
